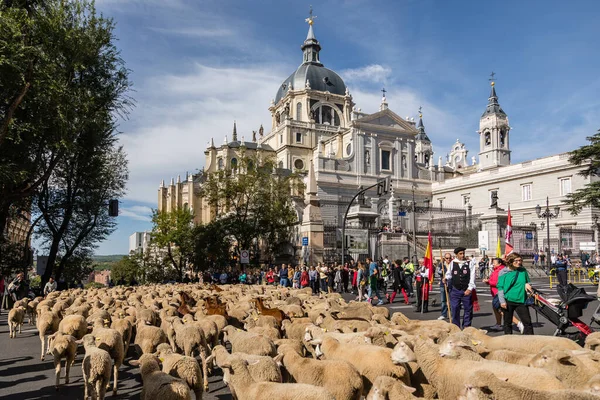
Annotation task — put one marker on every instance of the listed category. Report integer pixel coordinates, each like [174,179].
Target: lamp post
[414,209]
[547,215]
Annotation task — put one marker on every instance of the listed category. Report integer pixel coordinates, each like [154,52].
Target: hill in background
[106,262]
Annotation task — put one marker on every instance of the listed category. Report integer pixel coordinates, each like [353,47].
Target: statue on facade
[367,157]
[254,136]
[494,199]
[261,131]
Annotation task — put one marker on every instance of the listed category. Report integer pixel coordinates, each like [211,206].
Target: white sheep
[74,325]
[262,368]
[95,368]
[111,341]
[249,343]
[388,388]
[159,385]
[404,355]
[184,368]
[486,385]
[148,337]
[47,324]
[569,369]
[15,320]
[340,378]
[370,361]
[449,378]
[238,378]
[520,342]
[62,346]
[124,327]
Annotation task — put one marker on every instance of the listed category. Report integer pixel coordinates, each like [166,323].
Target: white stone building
[316,129]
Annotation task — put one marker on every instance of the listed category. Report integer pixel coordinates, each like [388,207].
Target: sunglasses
[518,260]
[447,258]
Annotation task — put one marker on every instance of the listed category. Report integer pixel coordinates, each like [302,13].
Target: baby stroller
[565,313]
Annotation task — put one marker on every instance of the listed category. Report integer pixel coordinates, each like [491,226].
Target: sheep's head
[593,385]
[402,353]
[449,348]
[148,363]
[548,357]
[386,387]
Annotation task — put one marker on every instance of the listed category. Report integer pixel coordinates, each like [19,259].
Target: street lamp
[547,215]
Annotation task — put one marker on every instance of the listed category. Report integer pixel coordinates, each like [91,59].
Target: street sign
[402,213]
[529,235]
[305,241]
[483,237]
[244,257]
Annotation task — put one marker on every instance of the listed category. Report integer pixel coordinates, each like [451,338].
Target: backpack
[409,269]
[384,270]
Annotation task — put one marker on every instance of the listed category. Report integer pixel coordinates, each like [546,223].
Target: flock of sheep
[288,344]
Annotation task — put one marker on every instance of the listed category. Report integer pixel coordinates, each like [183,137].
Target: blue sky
[199,65]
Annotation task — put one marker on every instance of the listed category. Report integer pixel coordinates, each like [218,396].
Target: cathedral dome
[311,74]
[318,78]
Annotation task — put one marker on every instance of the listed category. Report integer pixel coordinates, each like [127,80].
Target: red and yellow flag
[508,247]
[428,261]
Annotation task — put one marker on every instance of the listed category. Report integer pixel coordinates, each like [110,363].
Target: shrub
[94,285]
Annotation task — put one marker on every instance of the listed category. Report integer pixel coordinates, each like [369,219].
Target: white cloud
[370,73]
[137,212]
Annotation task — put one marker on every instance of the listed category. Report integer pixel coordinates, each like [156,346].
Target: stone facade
[317,130]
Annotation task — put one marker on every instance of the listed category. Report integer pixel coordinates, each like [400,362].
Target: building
[139,242]
[317,130]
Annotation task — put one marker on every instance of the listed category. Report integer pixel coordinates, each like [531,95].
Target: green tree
[212,245]
[252,200]
[174,232]
[128,269]
[589,195]
[59,71]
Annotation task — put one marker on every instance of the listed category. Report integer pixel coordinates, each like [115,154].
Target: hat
[459,249]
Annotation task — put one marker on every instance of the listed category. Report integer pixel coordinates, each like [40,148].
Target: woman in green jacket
[513,284]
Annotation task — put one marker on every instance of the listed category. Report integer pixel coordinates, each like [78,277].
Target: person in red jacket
[304,280]
[270,275]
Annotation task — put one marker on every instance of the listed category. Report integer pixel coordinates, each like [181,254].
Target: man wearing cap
[461,279]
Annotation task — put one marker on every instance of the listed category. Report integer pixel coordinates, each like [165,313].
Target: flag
[498,250]
[508,247]
[428,261]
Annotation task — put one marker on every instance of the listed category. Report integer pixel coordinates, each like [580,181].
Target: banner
[508,247]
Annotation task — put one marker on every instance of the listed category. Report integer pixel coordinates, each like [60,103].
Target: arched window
[326,115]
[427,160]
[234,163]
[299,111]
[502,138]
[488,139]
[220,163]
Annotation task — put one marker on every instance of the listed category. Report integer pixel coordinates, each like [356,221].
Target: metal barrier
[576,276]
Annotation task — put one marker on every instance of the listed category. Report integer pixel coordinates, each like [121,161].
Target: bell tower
[494,149]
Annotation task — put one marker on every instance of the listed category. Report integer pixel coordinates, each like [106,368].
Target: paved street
[24,376]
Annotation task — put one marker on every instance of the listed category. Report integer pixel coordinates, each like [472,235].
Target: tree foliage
[173,231]
[212,245]
[589,195]
[60,76]
[128,269]
[253,202]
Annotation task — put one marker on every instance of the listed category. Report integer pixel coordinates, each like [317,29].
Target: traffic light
[384,185]
[113,208]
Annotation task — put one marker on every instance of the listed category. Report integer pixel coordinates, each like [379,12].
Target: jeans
[313,286]
[561,273]
[323,284]
[523,313]
[444,300]
[376,292]
[283,282]
[409,287]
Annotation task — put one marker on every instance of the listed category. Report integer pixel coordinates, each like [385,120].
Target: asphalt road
[23,376]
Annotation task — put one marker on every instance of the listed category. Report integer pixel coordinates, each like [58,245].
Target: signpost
[305,241]
[484,241]
[244,257]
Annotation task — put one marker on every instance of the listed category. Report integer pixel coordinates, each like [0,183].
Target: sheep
[592,341]
[520,343]
[370,361]
[148,337]
[74,325]
[262,320]
[485,385]
[210,329]
[184,368]
[124,327]
[158,384]
[249,343]
[95,368]
[267,331]
[403,354]
[190,338]
[241,383]
[295,344]
[340,378]
[62,346]
[294,330]
[510,356]
[569,369]
[111,341]
[448,376]
[15,320]
[262,368]
[388,388]
[47,323]
[457,349]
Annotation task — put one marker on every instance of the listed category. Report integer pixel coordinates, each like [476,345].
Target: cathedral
[319,132]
